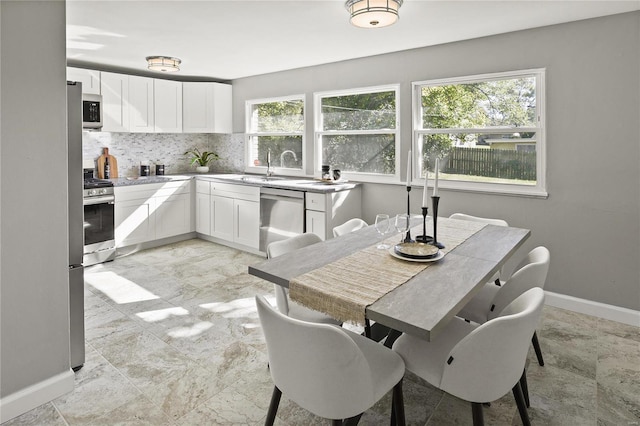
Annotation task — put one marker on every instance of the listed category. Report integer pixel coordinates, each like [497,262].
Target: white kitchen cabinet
[115,102]
[167,99]
[150,212]
[246,224]
[233,213]
[173,215]
[90,79]
[141,104]
[316,223]
[203,208]
[222,217]
[134,222]
[324,211]
[206,107]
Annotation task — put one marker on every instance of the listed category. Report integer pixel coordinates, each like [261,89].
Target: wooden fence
[497,163]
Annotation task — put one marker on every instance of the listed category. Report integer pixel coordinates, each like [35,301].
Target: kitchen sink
[262,179]
[253,178]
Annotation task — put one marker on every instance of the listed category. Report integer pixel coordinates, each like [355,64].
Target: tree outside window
[357,131]
[478,127]
[276,126]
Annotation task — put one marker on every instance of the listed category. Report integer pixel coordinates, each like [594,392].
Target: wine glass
[402,224]
[382,226]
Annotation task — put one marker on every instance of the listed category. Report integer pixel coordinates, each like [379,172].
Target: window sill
[477,188]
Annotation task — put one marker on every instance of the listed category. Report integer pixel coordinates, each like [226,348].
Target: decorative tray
[416,250]
[437,257]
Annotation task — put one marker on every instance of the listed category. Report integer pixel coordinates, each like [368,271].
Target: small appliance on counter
[159,169]
[145,170]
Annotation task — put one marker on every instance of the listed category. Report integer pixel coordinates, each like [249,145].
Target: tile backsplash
[133,149]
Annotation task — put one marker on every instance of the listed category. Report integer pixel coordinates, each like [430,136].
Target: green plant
[201,158]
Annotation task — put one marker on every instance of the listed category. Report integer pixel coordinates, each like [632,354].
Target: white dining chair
[286,306]
[489,302]
[490,221]
[478,363]
[331,372]
[349,226]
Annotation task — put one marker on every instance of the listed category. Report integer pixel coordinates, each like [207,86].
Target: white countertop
[282,182]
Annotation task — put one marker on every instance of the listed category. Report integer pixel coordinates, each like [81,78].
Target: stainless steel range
[99,226]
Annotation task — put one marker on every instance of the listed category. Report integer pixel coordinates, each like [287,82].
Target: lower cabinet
[222,217]
[149,212]
[324,211]
[231,214]
[203,212]
[317,223]
[134,221]
[173,215]
[246,223]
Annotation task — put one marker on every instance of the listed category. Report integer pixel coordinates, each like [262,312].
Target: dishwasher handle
[279,194]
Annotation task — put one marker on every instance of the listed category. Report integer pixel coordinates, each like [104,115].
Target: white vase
[202,169]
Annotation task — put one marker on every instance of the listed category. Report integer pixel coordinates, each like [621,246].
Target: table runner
[344,288]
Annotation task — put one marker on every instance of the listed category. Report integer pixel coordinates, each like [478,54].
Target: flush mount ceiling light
[163,63]
[373,13]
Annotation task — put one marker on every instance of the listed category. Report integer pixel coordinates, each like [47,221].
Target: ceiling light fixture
[373,13]
[163,63]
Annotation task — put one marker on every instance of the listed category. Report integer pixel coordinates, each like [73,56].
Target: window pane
[280,117]
[497,158]
[286,151]
[497,103]
[360,153]
[366,111]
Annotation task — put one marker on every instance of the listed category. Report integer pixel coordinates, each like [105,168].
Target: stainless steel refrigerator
[76,220]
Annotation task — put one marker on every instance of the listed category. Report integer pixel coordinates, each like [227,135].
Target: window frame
[539,189]
[319,133]
[249,104]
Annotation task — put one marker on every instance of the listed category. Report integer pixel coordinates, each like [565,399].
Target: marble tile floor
[173,338]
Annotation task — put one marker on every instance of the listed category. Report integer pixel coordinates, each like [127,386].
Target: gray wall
[591,219]
[33,198]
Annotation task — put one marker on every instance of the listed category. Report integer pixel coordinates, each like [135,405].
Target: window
[276,126]
[357,131]
[488,131]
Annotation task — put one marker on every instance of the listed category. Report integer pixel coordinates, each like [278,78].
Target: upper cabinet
[115,102]
[168,106]
[141,105]
[150,105]
[90,79]
[206,107]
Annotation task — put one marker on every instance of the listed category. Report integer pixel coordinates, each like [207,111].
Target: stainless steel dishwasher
[281,215]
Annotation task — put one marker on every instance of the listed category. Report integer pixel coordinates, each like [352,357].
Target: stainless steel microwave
[91,111]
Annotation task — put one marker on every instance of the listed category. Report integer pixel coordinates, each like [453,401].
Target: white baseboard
[35,395]
[596,309]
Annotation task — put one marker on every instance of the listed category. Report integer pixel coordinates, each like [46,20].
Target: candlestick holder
[407,238]
[424,238]
[435,200]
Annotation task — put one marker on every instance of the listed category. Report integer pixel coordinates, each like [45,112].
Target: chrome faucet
[295,157]
[269,172]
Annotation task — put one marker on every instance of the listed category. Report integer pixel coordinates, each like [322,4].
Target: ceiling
[230,39]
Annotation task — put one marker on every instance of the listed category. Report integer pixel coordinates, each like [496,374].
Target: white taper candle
[409,169]
[435,185]
[425,198]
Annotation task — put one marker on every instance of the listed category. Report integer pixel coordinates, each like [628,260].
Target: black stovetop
[90,183]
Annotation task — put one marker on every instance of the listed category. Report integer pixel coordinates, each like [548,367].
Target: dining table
[405,295]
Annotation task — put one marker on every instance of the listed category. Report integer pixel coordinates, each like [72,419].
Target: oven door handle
[106,199]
